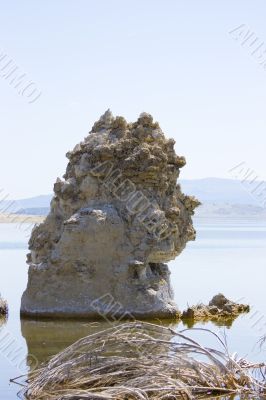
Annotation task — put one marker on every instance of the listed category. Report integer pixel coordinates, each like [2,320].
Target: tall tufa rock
[116,218]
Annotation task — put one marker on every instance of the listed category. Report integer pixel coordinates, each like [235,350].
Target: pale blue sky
[173,59]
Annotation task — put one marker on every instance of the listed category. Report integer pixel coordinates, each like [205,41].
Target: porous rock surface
[116,218]
[219,308]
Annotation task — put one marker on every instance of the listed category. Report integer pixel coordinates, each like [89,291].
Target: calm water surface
[228,257]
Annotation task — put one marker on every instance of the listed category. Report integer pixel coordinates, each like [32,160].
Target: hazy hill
[38,205]
[225,197]
[220,191]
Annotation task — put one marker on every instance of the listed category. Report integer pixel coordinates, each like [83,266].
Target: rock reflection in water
[223,322]
[46,338]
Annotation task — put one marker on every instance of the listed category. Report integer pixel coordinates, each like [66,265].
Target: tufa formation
[219,309]
[116,219]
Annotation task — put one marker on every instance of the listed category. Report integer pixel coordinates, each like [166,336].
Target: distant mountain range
[38,205]
[222,196]
[227,197]
[216,190]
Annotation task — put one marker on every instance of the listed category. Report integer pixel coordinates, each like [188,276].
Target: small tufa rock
[189,313]
[219,300]
[219,308]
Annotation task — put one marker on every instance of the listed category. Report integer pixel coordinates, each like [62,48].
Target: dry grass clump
[143,361]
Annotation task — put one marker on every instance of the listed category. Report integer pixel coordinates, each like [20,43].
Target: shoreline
[21,219]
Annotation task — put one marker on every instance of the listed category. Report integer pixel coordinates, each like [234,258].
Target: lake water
[229,256]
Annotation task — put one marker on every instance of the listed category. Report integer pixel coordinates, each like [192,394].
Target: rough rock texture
[116,218]
[219,308]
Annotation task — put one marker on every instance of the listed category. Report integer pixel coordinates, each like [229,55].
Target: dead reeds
[144,361]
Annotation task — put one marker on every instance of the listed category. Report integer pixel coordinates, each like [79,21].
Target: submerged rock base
[116,218]
[219,309]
